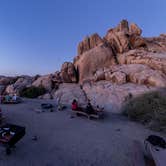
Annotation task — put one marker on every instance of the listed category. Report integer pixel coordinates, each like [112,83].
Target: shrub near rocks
[149,109]
[33,92]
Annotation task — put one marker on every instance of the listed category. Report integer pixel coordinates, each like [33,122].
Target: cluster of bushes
[149,109]
[32,92]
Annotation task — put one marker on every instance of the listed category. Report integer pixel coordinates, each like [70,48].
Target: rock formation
[107,70]
[89,43]
[44,81]
[68,73]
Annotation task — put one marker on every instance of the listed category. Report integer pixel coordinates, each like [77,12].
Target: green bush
[149,109]
[33,92]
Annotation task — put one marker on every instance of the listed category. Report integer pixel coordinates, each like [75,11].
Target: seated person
[14,98]
[7,98]
[74,105]
[89,109]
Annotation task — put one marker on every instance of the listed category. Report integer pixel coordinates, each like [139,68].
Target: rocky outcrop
[44,81]
[67,92]
[125,37]
[134,73]
[108,71]
[90,61]
[117,77]
[156,61]
[134,29]
[68,73]
[156,44]
[89,43]
[112,96]
[20,84]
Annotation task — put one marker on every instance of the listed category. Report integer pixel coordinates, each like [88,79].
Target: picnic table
[96,115]
[10,134]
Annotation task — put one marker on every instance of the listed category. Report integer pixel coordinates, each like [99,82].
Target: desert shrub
[149,109]
[32,92]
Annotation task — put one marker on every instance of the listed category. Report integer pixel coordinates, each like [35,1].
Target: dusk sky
[37,36]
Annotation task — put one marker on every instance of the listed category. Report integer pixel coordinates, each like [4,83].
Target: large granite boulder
[156,44]
[21,83]
[156,61]
[44,81]
[89,62]
[125,37]
[67,92]
[134,29]
[117,77]
[89,43]
[112,96]
[68,73]
[135,73]
[56,77]
[7,80]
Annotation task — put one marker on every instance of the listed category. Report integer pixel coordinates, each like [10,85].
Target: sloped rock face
[4,80]
[68,92]
[68,73]
[89,43]
[156,61]
[157,44]
[44,81]
[21,83]
[134,73]
[90,61]
[117,77]
[134,29]
[111,96]
[95,52]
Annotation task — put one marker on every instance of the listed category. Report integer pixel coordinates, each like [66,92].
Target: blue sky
[37,36]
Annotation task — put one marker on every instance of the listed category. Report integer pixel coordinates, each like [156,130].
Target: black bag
[156,141]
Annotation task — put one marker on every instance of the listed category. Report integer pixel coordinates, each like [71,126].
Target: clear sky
[37,36]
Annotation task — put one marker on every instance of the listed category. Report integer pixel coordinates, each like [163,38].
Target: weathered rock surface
[123,38]
[67,92]
[7,80]
[46,96]
[134,73]
[156,61]
[21,83]
[134,29]
[89,43]
[112,96]
[157,44]
[111,69]
[90,61]
[68,73]
[44,81]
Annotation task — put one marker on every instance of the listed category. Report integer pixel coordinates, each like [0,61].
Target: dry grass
[149,109]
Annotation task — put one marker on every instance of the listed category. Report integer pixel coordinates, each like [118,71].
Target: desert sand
[66,141]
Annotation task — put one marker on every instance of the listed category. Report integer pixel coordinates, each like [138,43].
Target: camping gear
[46,105]
[155,149]
[10,134]
[17,101]
[97,115]
[156,141]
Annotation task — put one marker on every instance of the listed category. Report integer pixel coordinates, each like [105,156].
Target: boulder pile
[107,70]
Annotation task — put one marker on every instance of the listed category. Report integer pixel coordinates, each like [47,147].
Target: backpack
[156,141]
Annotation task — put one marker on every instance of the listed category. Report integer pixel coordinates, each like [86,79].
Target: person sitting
[14,98]
[7,98]
[74,105]
[89,109]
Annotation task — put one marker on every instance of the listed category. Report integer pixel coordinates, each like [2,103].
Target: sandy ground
[65,141]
